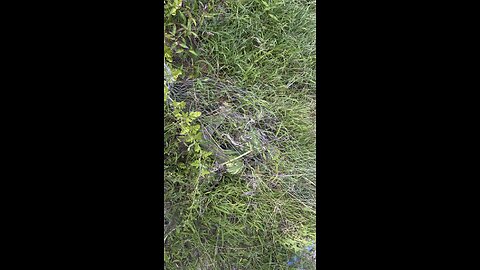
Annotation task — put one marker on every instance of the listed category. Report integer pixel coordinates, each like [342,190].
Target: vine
[183,132]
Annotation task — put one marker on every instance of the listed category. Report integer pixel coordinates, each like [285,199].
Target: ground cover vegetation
[239,134]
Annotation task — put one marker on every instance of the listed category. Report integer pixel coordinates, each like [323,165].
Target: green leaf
[176,73]
[195,128]
[193,52]
[235,167]
[196,163]
[182,16]
[195,115]
[273,16]
[197,148]
[167,52]
[198,136]
[204,172]
[165,93]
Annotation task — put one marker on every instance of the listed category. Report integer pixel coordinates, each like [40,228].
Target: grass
[253,78]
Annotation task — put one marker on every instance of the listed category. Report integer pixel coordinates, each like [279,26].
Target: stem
[242,155]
